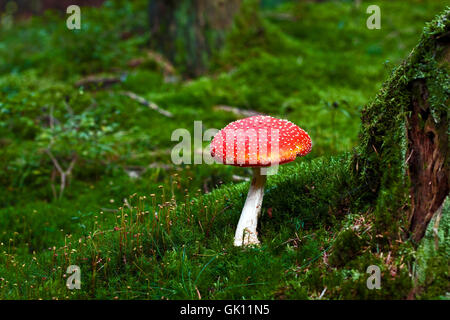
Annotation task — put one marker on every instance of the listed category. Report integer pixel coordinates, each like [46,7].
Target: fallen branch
[97,81]
[147,103]
[237,111]
[158,58]
[235,177]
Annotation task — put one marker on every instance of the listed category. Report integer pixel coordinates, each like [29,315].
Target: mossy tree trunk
[402,159]
[427,163]
[188,31]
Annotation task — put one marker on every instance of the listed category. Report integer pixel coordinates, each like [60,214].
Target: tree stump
[402,159]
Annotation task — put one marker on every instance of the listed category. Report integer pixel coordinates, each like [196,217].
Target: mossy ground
[315,64]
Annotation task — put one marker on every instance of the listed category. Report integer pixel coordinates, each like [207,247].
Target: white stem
[246,229]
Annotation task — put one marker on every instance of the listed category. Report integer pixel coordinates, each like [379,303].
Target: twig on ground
[237,111]
[235,177]
[97,81]
[146,103]
[323,292]
[63,173]
[159,59]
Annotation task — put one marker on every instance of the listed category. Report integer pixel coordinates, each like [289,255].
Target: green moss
[321,223]
[347,246]
[432,271]
[381,154]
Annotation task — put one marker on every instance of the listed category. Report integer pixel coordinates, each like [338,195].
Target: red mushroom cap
[260,141]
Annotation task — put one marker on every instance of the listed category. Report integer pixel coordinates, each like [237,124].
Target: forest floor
[141,227]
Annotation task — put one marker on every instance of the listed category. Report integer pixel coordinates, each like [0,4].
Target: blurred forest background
[86,118]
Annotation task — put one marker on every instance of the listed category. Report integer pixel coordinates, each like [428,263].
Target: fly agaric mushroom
[257,142]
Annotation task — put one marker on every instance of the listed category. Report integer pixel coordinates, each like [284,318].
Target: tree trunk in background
[403,156]
[162,26]
[188,32]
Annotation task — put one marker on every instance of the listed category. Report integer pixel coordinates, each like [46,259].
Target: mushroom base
[246,233]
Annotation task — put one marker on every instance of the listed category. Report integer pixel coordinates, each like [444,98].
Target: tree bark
[187,32]
[428,150]
[162,26]
[402,159]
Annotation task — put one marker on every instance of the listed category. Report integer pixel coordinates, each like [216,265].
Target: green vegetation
[383,151]
[315,64]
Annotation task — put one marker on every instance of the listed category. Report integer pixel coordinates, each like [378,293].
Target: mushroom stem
[246,229]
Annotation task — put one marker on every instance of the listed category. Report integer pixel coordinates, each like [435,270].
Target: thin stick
[63,173]
[146,103]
